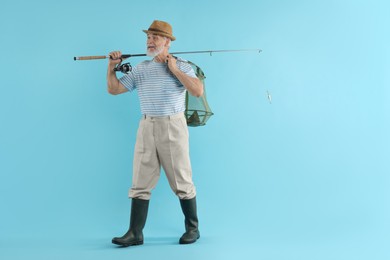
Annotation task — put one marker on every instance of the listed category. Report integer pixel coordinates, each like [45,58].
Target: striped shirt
[159,91]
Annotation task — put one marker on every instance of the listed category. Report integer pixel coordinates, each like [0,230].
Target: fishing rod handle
[124,56]
[91,57]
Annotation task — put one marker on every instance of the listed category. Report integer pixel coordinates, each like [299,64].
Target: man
[162,137]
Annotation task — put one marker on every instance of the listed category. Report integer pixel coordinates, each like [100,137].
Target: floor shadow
[104,244]
[161,240]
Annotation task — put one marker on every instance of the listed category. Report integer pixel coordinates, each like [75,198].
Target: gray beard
[155,53]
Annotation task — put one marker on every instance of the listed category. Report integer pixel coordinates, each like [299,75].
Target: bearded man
[162,137]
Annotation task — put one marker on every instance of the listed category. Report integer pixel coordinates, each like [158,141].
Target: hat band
[157,30]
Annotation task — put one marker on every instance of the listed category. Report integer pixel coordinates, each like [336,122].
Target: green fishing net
[197,109]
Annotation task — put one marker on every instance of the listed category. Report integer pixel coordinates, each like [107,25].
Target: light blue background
[306,177]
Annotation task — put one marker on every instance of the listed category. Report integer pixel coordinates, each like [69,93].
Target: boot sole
[188,242]
[137,243]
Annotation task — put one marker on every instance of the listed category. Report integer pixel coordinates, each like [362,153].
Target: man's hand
[115,58]
[172,63]
[193,85]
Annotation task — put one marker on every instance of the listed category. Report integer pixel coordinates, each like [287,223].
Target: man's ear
[168,42]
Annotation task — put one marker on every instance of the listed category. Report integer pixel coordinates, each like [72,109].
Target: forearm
[114,87]
[193,85]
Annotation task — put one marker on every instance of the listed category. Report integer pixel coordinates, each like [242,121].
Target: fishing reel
[124,68]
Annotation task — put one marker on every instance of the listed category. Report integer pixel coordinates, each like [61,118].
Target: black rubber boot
[134,236]
[191,221]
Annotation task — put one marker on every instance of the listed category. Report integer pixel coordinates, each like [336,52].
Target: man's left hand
[172,63]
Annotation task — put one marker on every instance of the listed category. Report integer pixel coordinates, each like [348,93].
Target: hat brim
[162,34]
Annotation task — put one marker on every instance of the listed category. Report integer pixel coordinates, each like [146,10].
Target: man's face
[155,44]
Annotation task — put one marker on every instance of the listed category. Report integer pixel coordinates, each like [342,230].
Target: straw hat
[161,28]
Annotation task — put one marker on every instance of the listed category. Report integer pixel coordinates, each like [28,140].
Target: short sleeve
[185,67]
[128,80]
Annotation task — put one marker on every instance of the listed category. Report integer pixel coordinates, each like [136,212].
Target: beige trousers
[162,141]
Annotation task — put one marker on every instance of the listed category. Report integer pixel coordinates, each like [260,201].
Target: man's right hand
[115,58]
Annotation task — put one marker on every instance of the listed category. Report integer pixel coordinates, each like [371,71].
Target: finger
[115,55]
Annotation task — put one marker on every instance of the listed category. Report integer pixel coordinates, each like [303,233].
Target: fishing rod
[126,67]
[125,56]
